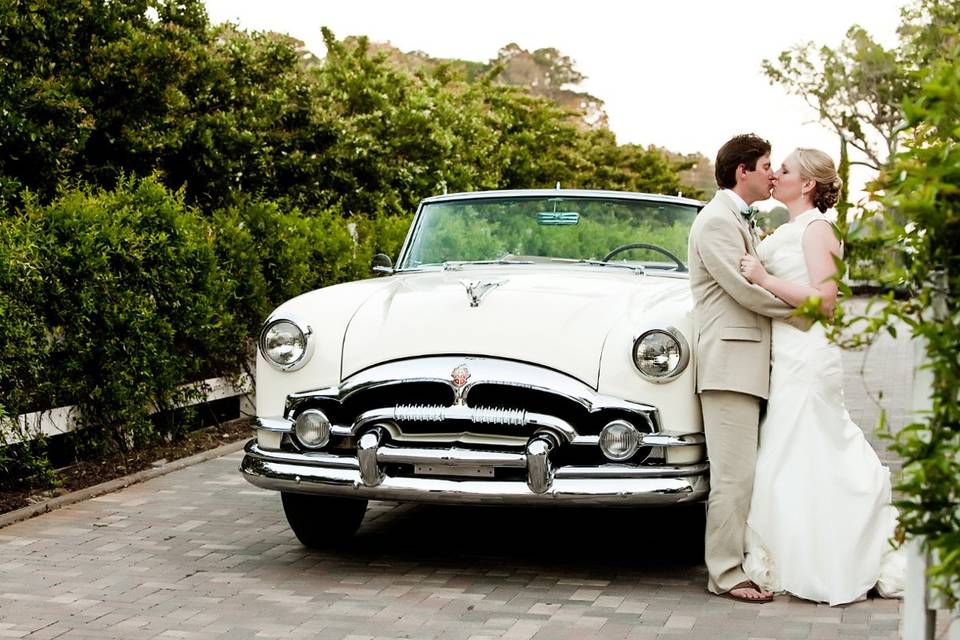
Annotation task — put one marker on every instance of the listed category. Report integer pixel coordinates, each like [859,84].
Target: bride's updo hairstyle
[817,166]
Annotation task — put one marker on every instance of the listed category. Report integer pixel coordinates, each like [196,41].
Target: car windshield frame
[500,197]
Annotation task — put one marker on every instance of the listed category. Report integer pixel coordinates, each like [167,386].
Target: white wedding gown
[820,518]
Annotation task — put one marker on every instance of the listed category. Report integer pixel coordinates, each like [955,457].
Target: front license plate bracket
[445,470]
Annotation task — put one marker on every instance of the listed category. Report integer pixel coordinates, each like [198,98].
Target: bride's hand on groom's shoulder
[752,269]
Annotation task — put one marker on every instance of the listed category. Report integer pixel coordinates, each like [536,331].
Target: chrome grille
[478,415]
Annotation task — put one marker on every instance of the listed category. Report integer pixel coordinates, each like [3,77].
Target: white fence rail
[52,422]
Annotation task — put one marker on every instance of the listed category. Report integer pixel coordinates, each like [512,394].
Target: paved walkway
[199,553]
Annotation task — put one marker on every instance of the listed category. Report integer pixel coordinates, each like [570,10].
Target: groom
[732,320]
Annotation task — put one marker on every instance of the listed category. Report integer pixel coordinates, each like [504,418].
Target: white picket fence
[52,422]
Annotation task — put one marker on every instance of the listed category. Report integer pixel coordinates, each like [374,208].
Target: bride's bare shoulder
[821,235]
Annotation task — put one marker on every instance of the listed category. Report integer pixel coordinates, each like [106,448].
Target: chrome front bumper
[362,477]
[463,429]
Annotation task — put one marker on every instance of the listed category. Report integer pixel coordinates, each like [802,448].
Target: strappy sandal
[747,584]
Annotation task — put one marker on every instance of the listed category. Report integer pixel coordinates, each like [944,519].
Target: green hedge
[111,300]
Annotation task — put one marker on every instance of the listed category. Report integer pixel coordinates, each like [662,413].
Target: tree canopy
[94,90]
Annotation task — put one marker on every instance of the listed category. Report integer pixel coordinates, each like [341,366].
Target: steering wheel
[644,245]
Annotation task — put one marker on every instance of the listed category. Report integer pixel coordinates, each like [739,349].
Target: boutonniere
[750,215]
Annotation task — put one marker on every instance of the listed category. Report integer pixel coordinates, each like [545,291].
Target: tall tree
[855,88]
[550,74]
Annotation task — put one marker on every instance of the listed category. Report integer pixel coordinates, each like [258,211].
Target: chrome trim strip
[306,459]
[671,440]
[631,471]
[284,425]
[602,194]
[453,457]
[479,415]
[483,370]
[651,440]
[273,423]
[451,438]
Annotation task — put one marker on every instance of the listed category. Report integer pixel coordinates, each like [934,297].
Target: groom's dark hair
[744,149]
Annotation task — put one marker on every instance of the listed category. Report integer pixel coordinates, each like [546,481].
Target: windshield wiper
[638,269]
[456,265]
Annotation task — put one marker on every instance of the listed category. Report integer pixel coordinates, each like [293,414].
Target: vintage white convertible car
[530,347]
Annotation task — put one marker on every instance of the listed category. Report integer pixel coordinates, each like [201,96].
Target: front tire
[321,522]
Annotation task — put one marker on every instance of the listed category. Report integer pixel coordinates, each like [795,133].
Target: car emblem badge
[476,290]
[459,376]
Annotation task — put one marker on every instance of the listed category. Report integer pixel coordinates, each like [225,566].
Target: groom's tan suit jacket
[731,316]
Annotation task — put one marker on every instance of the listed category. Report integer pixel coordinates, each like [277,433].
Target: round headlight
[285,344]
[312,428]
[619,440]
[661,354]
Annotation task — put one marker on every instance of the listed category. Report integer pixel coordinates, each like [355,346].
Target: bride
[820,518]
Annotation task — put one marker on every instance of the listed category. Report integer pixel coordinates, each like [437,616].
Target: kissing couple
[799,502]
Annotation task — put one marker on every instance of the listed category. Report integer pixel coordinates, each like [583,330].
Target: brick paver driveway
[199,553]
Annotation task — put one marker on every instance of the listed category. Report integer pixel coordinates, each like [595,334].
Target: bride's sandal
[747,584]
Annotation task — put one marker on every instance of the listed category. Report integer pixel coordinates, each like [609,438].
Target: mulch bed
[91,472]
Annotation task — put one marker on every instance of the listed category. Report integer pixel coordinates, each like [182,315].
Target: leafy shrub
[269,255]
[117,300]
[24,348]
[112,300]
[137,300]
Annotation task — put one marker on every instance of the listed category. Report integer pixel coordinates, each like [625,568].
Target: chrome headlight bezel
[323,426]
[682,345]
[308,343]
[630,432]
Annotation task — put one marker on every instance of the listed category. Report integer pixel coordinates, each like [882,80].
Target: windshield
[543,229]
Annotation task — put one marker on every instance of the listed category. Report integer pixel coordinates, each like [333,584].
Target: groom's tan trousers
[730,424]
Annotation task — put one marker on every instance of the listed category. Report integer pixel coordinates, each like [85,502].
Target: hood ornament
[476,290]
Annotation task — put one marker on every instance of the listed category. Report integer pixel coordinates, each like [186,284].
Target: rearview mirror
[558,217]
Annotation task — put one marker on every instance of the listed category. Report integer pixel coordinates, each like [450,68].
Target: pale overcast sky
[682,74]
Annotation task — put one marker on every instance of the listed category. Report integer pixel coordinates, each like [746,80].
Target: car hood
[557,318]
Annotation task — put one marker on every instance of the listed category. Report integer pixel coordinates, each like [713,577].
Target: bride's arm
[820,245]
